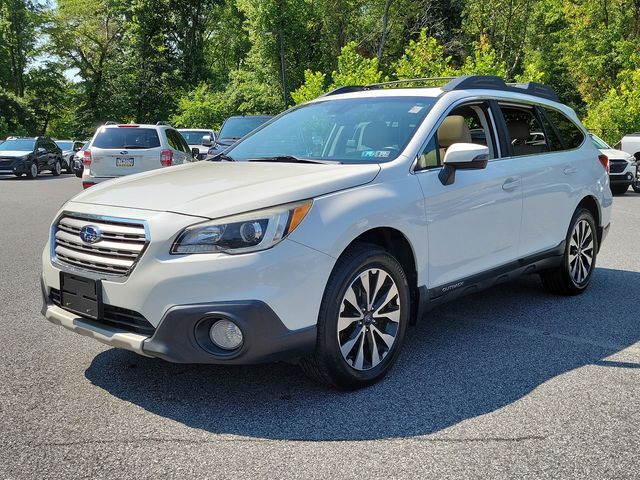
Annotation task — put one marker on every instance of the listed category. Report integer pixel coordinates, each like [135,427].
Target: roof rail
[491,82]
[374,86]
[464,82]
[111,122]
[162,122]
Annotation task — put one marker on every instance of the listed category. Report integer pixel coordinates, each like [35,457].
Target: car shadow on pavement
[465,359]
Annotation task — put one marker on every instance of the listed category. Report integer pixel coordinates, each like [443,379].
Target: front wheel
[579,260]
[636,186]
[362,321]
[57,169]
[33,170]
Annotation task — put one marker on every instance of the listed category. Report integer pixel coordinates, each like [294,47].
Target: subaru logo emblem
[90,234]
[124,152]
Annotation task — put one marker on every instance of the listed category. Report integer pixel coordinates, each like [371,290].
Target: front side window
[237,127]
[525,131]
[465,124]
[126,137]
[357,130]
[570,134]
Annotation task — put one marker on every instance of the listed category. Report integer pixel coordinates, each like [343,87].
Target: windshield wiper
[287,159]
[221,156]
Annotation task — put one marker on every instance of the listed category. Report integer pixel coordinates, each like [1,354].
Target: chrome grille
[116,253]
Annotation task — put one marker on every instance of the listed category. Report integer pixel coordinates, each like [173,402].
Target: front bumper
[182,334]
[13,166]
[623,178]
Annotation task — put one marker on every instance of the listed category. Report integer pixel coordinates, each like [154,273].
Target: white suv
[622,166]
[336,225]
[118,150]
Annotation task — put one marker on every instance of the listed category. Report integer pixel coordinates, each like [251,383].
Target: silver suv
[119,150]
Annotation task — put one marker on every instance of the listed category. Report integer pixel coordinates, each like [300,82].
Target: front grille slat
[116,253]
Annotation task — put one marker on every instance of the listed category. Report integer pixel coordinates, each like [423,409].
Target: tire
[69,168]
[79,172]
[619,189]
[356,349]
[636,186]
[581,242]
[57,169]
[33,170]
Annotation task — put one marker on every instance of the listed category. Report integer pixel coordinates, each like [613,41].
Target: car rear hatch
[124,150]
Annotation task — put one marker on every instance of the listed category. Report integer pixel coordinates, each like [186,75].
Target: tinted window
[171,139]
[570,134]
[194,137]
[238,127]
[526,134]
[356,130]
[125,137]
[429,156]
[65,145]
[20,144]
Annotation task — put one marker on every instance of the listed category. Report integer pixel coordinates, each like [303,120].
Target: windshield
[599,143]
[126,137]
[64,145]
[238,127]
[357,130]
[21,144]
[193,137]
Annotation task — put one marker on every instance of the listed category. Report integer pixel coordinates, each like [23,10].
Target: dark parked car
[233,129]
[30,155]
[69,149]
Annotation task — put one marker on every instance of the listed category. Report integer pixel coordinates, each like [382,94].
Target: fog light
[226,334]
[629,176]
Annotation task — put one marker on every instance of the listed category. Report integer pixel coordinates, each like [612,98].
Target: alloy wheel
[34,170]
[581,252]
[368,322]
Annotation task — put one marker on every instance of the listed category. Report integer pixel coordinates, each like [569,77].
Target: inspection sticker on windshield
[375,154]
[415,109]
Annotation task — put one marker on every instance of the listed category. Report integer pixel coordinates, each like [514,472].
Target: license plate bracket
[81,295]
[125,161]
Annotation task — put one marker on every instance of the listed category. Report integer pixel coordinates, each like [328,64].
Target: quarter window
[571,135]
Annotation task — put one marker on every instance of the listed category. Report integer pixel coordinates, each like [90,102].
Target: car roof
[195,129]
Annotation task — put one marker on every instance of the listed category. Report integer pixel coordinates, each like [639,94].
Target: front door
[473,224]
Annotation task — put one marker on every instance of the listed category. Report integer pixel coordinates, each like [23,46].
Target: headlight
[249,232]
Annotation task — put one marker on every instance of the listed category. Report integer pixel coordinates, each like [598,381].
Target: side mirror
[195,152]
[463,156]
[41,150]
[206,141]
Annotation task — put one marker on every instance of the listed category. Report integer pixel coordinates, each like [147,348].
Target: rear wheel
[33,170]
[57,169]
[579,260]
[619,189]
[362,320]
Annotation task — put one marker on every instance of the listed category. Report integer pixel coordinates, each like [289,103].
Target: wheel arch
[591,204]
[398,245]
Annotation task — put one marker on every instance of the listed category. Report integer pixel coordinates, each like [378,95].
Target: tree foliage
[68,65]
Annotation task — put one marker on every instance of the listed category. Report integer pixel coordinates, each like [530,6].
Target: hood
[218,189]
[14,153]
[617,154]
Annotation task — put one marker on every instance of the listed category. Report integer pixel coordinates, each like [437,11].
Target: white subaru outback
[321,236]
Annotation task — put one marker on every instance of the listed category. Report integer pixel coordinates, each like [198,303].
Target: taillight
[604,160]
[86,158]
[166,158]
[87,184]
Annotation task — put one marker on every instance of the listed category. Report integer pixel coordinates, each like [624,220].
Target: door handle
[511,184]
[570,170]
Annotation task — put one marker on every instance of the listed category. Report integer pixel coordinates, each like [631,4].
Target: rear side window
[526,135]
[124,137]
[570,134]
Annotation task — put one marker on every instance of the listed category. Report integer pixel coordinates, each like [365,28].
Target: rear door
[548,170]
[125,149]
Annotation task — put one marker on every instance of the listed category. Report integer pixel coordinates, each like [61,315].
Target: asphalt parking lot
[511,382]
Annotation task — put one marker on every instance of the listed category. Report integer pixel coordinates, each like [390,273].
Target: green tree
[313,87]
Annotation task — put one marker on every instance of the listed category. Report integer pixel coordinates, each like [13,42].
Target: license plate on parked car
[124,162]
[81,295]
